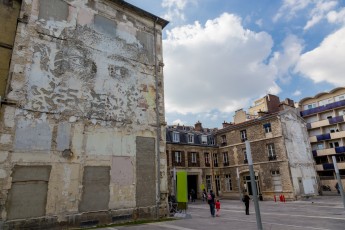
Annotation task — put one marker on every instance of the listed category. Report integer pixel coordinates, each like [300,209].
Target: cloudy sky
[221,55]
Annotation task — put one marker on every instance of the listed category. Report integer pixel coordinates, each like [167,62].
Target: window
[217,180]
[176,137]
[178,157]
[340,158]
[215,159]
[244,151]
[334,144]
[225,158]
[276,181]
[204,139]
[271,152]
[208,182]
[228,184]
[320,146]
[267,128]
[207,159]
[340,97]
[190,138]
[212,141]
[243,135]
[329,117]
[310,106]
[194,157]
[223,139]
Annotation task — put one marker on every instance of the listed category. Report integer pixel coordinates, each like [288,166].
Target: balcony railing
[226,163]
[328,166]
[325,136]
[245,161]
[323,108]
[335,120]
[223,143]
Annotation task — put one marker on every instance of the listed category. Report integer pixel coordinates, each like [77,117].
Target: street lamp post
[252,179]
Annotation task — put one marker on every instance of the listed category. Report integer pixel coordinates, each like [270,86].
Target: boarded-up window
[28,195]
[146,171]
[96,194]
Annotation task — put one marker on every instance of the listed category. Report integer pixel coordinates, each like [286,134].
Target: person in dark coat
[211,201]
[337,187]
[246,200]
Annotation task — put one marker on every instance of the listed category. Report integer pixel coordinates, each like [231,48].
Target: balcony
[327,136]
[226,164]
[325,152]
[245,161]
[322,108]
[337,134]
[224,143]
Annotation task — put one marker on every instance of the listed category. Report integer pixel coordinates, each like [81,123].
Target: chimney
[198,126]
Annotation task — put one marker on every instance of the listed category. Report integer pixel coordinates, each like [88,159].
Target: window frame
[176,136]
[228,183]
[215,159]
[243,134]
[271,151]
[190,137]
[194,157]
[225,157]
[178,157]
[267,128]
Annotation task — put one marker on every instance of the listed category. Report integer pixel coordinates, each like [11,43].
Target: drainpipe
[158,130]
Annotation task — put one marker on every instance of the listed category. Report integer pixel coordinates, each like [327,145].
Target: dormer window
[176,137]
[212,142]
[190,138]
[204,139]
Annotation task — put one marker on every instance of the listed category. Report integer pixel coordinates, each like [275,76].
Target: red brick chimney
[198,126]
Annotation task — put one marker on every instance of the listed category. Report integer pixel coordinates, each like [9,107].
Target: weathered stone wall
[299,153]
[262,165]
[83,90]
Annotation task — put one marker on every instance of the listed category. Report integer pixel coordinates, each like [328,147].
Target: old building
[190,149]
[324,114]
[281,152]
[82,127]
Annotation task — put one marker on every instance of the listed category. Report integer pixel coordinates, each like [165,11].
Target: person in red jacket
[218,208]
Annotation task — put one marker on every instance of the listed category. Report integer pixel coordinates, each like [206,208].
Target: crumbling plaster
[299,154]
[83,80]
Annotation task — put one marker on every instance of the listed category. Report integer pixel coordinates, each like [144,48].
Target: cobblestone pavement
[319,213]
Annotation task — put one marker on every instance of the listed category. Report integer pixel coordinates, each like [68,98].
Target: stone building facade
[281,153]
[82,124]
[190,149]
[324,114]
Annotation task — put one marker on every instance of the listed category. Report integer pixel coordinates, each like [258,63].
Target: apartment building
[82,123]
[281,152]
[324,114]
[194,150]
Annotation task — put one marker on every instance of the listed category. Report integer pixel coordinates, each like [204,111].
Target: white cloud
[316,10]
[290,8]
[285,60]
[336,17]
[319,12]
[175,8]
[217,66]
[178,122]
[326,62]
[259,22]
[297,93]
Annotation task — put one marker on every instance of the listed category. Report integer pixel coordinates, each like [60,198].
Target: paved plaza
[319,213]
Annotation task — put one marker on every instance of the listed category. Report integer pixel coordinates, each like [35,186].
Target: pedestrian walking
[337,187]
[246,200]
[204,195]
[210,201]
[218,208]
[192,195]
